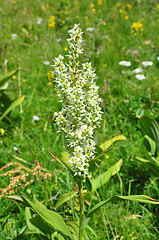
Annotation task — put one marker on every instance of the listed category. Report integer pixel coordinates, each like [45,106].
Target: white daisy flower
[125,63]
[47,63]
[137,70]
[14,36]
[36,118]
[147,63]
[39,21]
[140,77]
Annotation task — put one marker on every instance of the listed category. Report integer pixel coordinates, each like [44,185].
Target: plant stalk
[81,211]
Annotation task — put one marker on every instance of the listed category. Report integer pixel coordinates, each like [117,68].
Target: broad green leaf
[104,146]
[15,103]
[104,178]
[101,154]
[76,178]
[4,87]
[150,145]
[152,163]
[41,225]
[6,77]
[74,228]
[32,226]
[149,127]
[135,198]
[64,198]
[15,198]
[5,100]
[53,219]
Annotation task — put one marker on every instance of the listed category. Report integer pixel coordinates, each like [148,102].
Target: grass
[124,99]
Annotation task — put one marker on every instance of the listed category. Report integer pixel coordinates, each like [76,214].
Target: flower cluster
[81,112]
[137,27]
[21,176]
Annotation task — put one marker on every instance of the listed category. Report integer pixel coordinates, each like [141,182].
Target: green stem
[81,211]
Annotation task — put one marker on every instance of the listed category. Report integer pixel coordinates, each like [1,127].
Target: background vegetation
[32,34]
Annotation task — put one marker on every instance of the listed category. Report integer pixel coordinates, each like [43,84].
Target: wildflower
[58,40]
[49,84]
[100,2]
[157,58]
[65,48]
[140,77]
[2,131]
[52,22]
[36,118]
[125,63]
[147,63]
[129,5]
[81,112]
[14,77]
[14,36]
[126,17]
[50,75]
[137,70]
[47,63]
[90,29]
[39,21]
[137,27]
[16,149]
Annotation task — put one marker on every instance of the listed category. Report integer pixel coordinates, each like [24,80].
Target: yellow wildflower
[52,22]
[126,17]
[43,8]
[93,10]
[14,2]
[50,75]
[129,5]
[104,23]
[92,5]
[100,2]
[49,84]
[120,11]
[14,77]
[65,48]
[2,131]
[137,27]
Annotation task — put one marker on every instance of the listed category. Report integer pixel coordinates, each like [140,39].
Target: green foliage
[150,129]
[6,104]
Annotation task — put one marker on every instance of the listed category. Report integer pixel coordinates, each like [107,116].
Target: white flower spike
[81,113]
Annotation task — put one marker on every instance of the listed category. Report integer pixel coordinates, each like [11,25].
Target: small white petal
[147,63]
[125,63]
[14,35]
[36,118]
[39,21]
[47,63]
[137,70]
[140,77]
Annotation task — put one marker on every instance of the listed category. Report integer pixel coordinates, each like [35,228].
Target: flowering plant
[80,116]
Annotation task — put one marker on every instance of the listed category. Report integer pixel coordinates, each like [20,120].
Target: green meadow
[121,40]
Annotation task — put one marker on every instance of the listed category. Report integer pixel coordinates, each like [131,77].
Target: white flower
[90,29]
[147,63]
[125,63]
[140,77]
[137,70]
[39,21]
[58,40]
[81,112]
[157,58]
[47,63]
[14,36]
[36,118]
